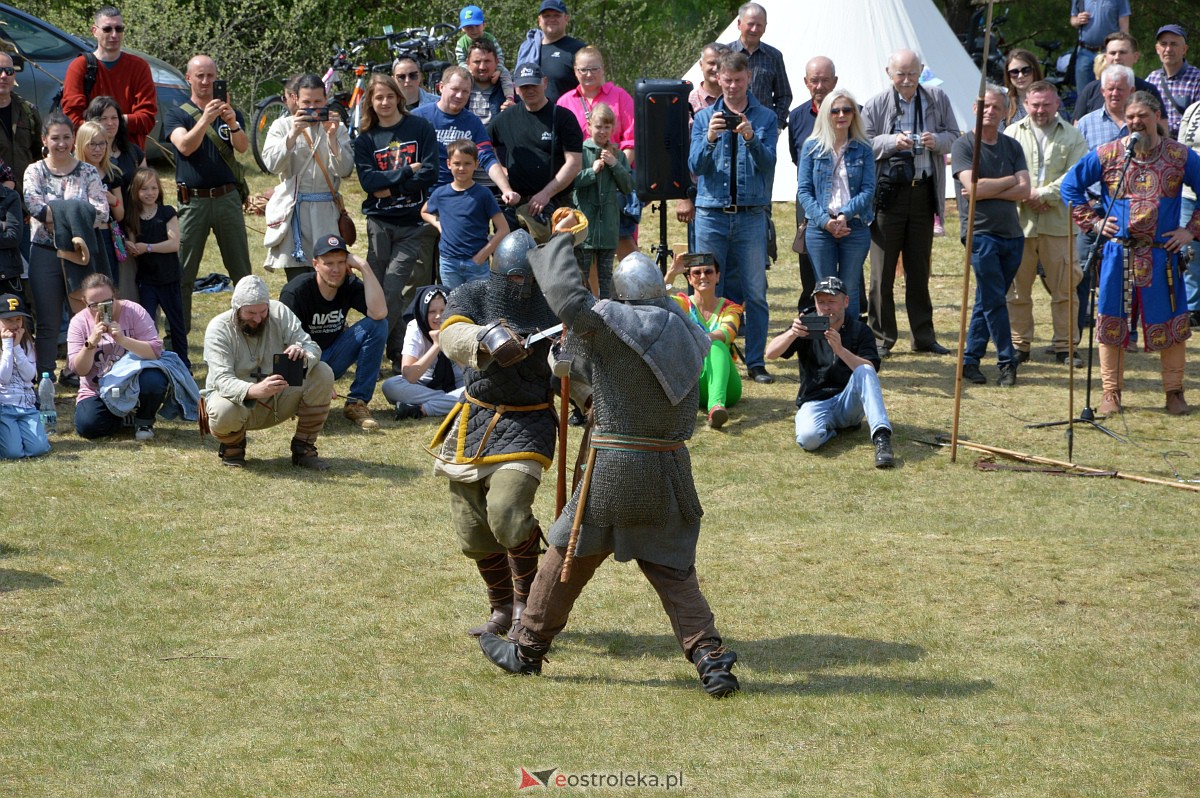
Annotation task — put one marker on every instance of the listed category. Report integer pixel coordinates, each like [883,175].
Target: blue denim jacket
[755,158]
[814,183]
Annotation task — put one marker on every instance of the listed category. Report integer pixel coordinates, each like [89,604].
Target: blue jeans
[22,433]
[817,422]
[738,241]
[1191,277]
[1085,72]
[93,419]
[456,271]
[361,345]
[842,258]
[995,262]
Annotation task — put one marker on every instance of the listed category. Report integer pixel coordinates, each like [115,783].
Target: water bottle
[45,394]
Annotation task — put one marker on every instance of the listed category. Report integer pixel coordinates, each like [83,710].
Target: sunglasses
[1017,72]
[407,76]
[113,28]
[702,272]
[10,71]
[841,111]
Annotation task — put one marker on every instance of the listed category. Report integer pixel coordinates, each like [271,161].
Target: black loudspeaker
[662,140]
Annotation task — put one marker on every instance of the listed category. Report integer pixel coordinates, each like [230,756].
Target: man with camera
[263,369]
[839,381]
[911,128]
[206,132]
[733,158]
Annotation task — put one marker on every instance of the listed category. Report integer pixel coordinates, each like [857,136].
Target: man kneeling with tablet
[838,381]
[263,369]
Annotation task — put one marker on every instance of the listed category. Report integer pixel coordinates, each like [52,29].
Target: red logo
[538,778]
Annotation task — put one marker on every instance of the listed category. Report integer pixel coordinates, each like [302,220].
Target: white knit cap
[250,290]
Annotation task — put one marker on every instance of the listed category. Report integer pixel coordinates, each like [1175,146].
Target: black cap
[527,74]
[830,285]
[12,305]
[329,244]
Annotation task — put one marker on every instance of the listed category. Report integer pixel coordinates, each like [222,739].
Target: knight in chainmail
[495,444]
[645,361]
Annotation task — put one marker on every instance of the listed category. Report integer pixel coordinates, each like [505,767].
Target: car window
[35,41]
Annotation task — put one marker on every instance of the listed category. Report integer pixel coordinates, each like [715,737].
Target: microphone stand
[1087,415]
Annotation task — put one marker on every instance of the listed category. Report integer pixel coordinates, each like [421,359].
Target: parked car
[43,45]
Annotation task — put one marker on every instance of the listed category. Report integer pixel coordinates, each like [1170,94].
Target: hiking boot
[1008,375]
[304,455]
[406,410]
[512,657]
[359,414]
[714,664]
[1110,404]
[883,449]
[233,454]
[717,417]
[1176,405]
[971,373]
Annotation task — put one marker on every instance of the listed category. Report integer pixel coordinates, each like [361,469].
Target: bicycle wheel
[265,113]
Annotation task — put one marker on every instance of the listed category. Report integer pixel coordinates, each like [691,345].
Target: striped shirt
[768,78]
[1184,86]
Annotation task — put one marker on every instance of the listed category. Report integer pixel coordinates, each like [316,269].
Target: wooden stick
[1073,322]
[560,490]
[1033,458]
[577,523]
[962,316]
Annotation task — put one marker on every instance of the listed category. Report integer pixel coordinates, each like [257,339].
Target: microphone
[1134,140]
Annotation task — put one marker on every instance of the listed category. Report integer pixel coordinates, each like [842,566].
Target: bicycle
[430,49]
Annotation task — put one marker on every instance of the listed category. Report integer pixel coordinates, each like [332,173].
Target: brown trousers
[551,600]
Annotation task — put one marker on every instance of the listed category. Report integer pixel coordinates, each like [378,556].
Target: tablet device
[290,370]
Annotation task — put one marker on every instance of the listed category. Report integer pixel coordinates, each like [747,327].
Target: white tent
[859,35]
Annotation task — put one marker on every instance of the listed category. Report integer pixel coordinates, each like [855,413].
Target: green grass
[168,627]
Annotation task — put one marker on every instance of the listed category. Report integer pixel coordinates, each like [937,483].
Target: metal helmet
[512,256]
[637,277]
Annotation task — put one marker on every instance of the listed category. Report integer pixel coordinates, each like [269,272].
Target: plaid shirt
[1184,86]
[768,79]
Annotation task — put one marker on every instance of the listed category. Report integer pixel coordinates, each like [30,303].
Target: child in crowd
[92,146]
[461,210]
[470,22]
[154,239]
[21,431]
[429,383]
[605,174]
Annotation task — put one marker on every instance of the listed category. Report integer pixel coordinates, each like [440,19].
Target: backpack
[89,82]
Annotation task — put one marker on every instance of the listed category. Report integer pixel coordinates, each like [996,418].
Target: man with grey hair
[248,385]
[769,81]
[911,128]
[997,244]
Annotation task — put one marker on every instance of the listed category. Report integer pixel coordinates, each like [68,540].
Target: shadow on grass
[11,580]
[819,684]
[9,550]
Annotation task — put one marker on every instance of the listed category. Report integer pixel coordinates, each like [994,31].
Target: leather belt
[211,193]
[920,181]
[740,208]
[634,443]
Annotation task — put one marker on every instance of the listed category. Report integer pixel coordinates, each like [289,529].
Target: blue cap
[553,5]
[330,243]
[470,15]
[1176,29]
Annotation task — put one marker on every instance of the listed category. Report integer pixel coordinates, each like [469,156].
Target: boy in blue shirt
[461,210]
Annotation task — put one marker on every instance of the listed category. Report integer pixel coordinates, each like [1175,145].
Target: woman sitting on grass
[720,383]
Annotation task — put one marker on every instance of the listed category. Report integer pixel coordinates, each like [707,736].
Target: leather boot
[1112,379]
[304,455]
[512,657]
[1174,358]
[523,562]
[494,570]
[714,663]
[1176,405]
[233,454]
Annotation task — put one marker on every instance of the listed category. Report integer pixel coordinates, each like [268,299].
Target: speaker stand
[662,253]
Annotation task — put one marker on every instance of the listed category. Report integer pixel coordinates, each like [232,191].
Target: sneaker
[939,229]
[143,432]
[883,449]
[357,411]
[1061,357]
[68,379]
[717,417]
[1023,356]
[406,410]
[304,455]
[1008,375]
[971,373]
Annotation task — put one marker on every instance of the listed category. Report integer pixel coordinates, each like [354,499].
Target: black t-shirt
[995,217]
[532,152]
[6,115]
[204,168]
[823,375]
[558,65]
[323,319]
[157,268]
[128,162]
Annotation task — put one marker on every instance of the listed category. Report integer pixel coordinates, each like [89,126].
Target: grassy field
[169,627]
